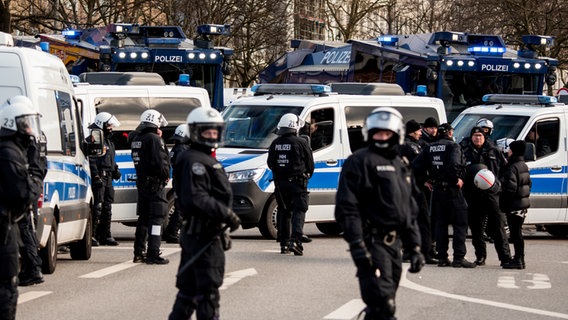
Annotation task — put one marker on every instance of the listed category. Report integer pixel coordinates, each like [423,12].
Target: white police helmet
[103,119]
[202,119]
[181,133]
[504,143]
[289,123]
[17,115]
[152,118]
[384,118]
[486,124]
[484,179]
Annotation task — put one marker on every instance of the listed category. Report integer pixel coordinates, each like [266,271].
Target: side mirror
[530,152]
[95,143]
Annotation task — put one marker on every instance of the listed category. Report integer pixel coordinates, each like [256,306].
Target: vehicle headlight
[245,175]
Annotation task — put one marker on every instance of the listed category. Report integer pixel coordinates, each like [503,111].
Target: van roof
[516,109]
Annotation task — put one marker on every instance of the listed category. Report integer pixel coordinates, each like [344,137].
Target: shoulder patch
[198,169]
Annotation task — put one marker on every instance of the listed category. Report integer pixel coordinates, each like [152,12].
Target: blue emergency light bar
[538,40]
[214,29]
[519,99]
[486,50]
[388,40]
[71,33]
[273,88]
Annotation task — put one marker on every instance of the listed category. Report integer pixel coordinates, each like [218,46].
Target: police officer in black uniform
[181,143]
[19,124]
[444,163]
[103,170]
[292,164]
[375,214]
[483,205]
[152,163]
[206,204]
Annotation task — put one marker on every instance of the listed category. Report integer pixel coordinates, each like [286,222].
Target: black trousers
[102,215]
[8,270]
[151,208]
[292,198]
[199,284]
[31,261]
[516,228]
[449,207]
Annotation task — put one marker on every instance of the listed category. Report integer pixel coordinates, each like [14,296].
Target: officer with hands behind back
[206,204]
[19,125]
[152,163]
[375,214]
[103,170]
[291,161]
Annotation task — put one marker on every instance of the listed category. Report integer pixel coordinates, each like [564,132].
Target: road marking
[539,281]
[507,282]
[236,276]
[31,295]
[404,282]
[123,266]
[347,311]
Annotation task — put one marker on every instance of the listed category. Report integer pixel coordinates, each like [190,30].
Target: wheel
[557,230]
[329,228]
[81,250]
[48,254]
[267,223]
[171,209]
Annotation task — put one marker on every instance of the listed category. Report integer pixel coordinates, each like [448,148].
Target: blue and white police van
[335,127]
[542,121]
[65,209]
[126,103]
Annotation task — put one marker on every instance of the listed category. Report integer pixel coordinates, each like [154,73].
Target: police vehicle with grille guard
[543,123]
[334,129]
[126,103]
[65,207]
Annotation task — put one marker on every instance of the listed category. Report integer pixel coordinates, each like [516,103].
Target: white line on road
[404,282]
[31,295]
[123,266]
[236,276]
[347,311]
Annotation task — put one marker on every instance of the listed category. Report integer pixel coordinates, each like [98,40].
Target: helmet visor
[28,125]
[384,121]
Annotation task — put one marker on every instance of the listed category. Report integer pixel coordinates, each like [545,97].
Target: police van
[126,103]
[335,122]
[543,123]
[65,209]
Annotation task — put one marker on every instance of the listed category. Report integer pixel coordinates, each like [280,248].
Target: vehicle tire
[81,250]
[557,230]
[329,228]
[48,254]
[267,223]
[171,209]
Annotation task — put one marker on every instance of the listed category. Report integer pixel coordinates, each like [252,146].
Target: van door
[549,172]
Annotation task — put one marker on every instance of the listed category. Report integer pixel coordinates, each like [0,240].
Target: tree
[5,16]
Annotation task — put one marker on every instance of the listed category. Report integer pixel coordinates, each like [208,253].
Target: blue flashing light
[214,29]
[388,40]
[421,90]
[74,78]
[486,50]
[184,79]
[71,33]
[44,46]
[519,98]
[164,41]
[538,40]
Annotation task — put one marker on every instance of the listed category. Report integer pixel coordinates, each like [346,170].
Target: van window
[50,120]
[68,129]
[321,128]
[545,136]
[253,126]
[504,126]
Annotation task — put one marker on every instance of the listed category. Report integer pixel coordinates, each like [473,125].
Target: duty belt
[388,237]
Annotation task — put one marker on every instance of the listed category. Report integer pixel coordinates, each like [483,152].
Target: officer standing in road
[291,161]
[444,163]
[19,124]
[152,163]
[103,170]
[429,132]
[181,143]
[375,214]
[484,204]
[206,204]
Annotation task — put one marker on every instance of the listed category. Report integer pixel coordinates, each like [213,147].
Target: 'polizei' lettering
[168,59]
[283,147]
[438,148]
[333,57]
[495,67]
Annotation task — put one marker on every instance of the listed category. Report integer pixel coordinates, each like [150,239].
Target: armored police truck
[65,209]
[335,122]
[542,121]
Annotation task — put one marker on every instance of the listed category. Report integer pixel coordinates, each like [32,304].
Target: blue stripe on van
[228,160]
[543,183]
[68,191]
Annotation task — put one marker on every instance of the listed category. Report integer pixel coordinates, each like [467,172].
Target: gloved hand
[97,182]
[416,260]
[361,258]
[116,174]
[233,221]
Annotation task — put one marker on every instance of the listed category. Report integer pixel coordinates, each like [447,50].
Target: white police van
[251,124]
[520,117]
[126,103]
[65,210]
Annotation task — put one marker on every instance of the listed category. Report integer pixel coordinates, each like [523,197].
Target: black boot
[296,248]
[516,263]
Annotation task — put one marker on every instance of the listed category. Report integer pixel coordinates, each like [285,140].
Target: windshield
[504,126]
[253,126]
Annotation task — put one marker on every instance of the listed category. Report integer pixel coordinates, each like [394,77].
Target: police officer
[375,214]
[181,143]
[152,163]
[103,170]
[292,164]
[429,132]
[206,204]
[19,124]
[444,163]
[484,204]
